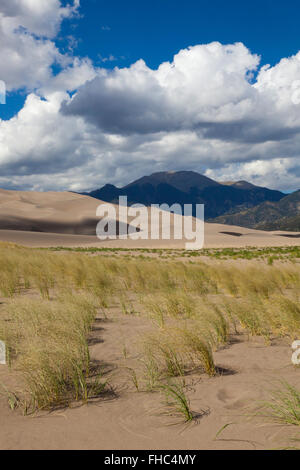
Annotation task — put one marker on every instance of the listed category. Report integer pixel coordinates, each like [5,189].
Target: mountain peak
[240,184]
[181,180]
[189,187]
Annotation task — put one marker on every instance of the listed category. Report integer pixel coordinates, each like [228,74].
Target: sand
[131,420]
[68,219]
[53,212]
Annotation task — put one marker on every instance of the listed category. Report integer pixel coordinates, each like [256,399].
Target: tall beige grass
[51,300]
[47,346]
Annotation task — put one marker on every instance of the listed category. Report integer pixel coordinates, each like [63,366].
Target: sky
[106,92]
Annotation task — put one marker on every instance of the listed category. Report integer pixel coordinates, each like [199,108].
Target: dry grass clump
[285,316]
[199,278]
[250,314]
[170,304]
[284,407]
[218,325]
[203,316]
[47,345]
[254,280]
[172,352]
[177,401]
[278,316]
[198,349]
[10,274]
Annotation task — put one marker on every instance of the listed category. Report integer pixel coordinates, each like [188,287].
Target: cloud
[203,84]
[203,111]
[42,18]
[27,50]
[206,89]
[110,58]
[72,77]
[277,173]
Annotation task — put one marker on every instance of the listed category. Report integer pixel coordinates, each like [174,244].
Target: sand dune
[52,212]
[69,219]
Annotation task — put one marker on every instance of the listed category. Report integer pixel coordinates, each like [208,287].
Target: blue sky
[156,30]
[82,109]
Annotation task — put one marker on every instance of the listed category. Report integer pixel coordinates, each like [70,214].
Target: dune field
[69,219]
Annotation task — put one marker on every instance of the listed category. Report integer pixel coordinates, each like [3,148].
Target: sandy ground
[131,420]
[214,238]
[67,219]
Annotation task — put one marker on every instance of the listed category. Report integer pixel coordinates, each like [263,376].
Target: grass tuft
[284,408]
[177,400]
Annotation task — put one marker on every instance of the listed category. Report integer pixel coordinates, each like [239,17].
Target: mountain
[280,215]
[188,187]
[240,184]
[182,180]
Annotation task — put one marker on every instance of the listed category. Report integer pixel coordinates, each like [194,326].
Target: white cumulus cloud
[27,51]
[212,109]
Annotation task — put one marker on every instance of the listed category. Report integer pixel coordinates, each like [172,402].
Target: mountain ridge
[280,215]
[189,187]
